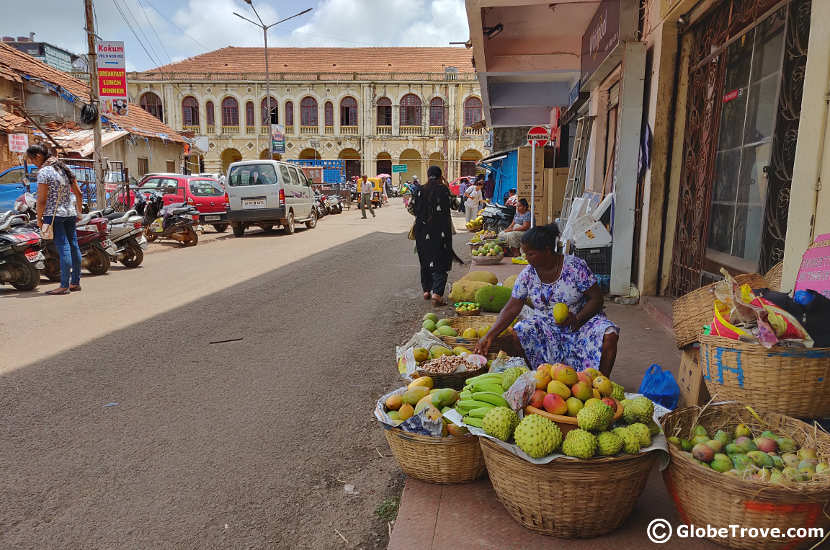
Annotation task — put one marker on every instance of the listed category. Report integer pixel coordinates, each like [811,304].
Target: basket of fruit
[467,309]
[453,457]
[733,465]
[750,373]
[489,253]
[577,485]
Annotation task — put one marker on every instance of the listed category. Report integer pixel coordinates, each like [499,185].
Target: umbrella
[384,176]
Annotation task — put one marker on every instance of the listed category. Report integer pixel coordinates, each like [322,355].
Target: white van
[266,193]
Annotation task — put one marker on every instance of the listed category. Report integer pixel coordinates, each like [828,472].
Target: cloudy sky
[161,31]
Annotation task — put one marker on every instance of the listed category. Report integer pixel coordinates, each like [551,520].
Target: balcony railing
[230,130]
[191,128]
[250,129]
[306,130]
[289,129]
[211,129]
[349,130]
[265,130]
[384,130]
[437,130]
[473,131]
[410,130]
[329,130]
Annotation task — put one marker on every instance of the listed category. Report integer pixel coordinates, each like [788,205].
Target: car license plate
[253,203]
[217,218]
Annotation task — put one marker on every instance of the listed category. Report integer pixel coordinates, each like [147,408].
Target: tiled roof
[15,64]
[9,122]
[330,60]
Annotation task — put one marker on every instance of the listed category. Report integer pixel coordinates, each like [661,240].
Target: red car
[456,184]
[206,194]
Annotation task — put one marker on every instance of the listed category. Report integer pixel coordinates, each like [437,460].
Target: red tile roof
[10,122]
[14,64]
[329,60]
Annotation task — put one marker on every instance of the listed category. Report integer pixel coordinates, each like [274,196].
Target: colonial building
[372,107]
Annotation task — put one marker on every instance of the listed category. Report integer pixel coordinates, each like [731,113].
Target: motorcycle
[126,231]
[20,257]
[320,205]
[497,217]
[96,249]
[174,221]
[334,204]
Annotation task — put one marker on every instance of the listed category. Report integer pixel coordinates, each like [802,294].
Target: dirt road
[126,425]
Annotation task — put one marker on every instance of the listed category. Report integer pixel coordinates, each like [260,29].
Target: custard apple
[609,444]
[640,409]
[653,427]
[537,436]
[631,443]
[510,375]
[500,422]
[595,417]
[580,444]
[641,431]
[617,392]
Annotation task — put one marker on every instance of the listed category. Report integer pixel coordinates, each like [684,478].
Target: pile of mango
[419,396]
[475,224]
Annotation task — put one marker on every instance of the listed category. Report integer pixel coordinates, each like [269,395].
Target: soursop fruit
[509,376]
[631,443]
[609,444]
[653,427]
[641,431]
[537,436]
[580,444]
[500,422]
[617,392]
[595,417]
[640,409]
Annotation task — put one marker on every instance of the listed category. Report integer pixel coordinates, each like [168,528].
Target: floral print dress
[542,339]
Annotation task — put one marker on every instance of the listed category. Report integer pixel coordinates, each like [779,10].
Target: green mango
[723,437]
[700,430]
[686,445]
[721,463]
[762,460]
[740,461]
[699,439]
[733,449]
[785,444]
[442,323]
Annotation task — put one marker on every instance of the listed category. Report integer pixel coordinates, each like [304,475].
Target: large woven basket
[568,498]
[454,380]
[695,309]
[488,260]
[773,276]
[706,497]
[437,459]
[792,381]
[506,342]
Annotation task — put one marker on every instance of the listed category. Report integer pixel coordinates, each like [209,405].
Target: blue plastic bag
[660,386]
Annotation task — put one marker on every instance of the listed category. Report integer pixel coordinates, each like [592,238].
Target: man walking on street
[366,196]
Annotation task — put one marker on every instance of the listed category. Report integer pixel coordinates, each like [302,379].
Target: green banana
[465,395]
[472,404]
[470,421]
[481,387]
[491,397]
[479,412]
[489,376]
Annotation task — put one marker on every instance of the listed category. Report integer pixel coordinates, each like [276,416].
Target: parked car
[206,194]
[13,185]
[455,185]
[266,193]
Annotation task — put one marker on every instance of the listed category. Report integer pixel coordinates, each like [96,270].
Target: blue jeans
[66,241]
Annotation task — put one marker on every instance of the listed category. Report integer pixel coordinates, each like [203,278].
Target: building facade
[372,107]
[43,51]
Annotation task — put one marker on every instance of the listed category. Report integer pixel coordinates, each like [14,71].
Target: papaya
[412,396]
[445,397]
[394,402]
[423,403]
[437,351]
[480,275]
[465,290]
[445,330]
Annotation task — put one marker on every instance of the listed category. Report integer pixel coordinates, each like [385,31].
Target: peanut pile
[446,364]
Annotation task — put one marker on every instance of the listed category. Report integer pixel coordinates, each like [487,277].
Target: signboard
[600,38]
[538,136]
[18,143]
[815,267]
[277,138]
[112,78]
[399,168]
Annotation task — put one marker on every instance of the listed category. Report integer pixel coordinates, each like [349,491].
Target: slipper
[438,301]
[58,291]
[426,295]
[75,288]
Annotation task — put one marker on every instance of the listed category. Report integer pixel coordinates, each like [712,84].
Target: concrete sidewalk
[471,516]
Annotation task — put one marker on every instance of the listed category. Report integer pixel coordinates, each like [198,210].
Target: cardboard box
[690,379]
[524,170]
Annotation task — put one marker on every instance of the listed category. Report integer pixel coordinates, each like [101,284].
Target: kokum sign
[601,37]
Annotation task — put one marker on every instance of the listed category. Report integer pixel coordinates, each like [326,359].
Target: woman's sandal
[438,301]
[58,291]
[426,295]
[75,288]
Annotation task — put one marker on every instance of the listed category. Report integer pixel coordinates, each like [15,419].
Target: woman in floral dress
[587,338]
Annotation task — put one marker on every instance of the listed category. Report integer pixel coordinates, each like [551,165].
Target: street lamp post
[265,29]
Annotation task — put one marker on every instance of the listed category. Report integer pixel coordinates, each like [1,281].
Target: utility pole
[97,156]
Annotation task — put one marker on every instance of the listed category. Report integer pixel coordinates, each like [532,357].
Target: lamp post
[265,28]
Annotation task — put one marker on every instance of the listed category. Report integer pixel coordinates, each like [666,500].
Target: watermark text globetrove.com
[660,531]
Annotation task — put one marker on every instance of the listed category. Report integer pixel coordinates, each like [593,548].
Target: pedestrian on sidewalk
[433,235]
[366,189]
[473,200]
[55,186]
[462,188]
[586,338]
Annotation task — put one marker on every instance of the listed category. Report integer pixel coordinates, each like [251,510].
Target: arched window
[308,112]
[436,112]
[329,109]
[190,111]
[348,112]
[410,110]
[472,111]
[384,112]
[151,103]
[275,112]
[249,113]
[289,113]
[210,114]
[230,112]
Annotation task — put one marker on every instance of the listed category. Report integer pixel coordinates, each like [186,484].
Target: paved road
[243,444]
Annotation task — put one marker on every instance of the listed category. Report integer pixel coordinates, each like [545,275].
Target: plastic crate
[598,259]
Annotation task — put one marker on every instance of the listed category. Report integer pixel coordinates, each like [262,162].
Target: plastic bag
[501,364]
[660,386]
[519,394]
[419,423]
[404,356]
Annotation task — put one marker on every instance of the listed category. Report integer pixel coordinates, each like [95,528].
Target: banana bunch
[484,392]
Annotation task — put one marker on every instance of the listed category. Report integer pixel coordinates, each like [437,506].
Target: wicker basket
[705,497]
[792,381]
[437,459]
[473,313]
[773,276]
[695,309]
[488,260]
[506,343]
[568,498]
[454,380]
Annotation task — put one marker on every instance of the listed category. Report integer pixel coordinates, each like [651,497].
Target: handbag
[47,230]
[411,235]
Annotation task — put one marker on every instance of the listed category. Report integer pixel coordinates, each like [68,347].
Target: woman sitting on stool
[521,223]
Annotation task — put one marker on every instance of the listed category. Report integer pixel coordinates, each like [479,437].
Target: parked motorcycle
[174,221]
[20,257]
[126,231]
[334,204]
[97,250]
[497,217]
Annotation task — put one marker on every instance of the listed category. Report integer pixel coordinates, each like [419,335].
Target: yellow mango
[424,381]
[415,394]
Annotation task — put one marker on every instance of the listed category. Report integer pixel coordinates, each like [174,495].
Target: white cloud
[212,23]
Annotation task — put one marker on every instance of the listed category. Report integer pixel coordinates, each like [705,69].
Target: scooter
[497,217]
[97,250]
[126,231]
[334,204]
[20,257]
[167,222]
